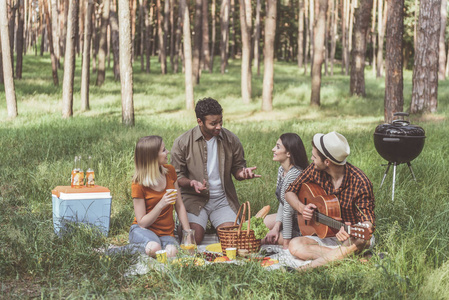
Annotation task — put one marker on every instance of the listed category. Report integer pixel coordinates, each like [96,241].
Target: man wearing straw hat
[352,188]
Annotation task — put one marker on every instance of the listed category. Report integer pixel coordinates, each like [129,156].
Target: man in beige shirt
[204,158]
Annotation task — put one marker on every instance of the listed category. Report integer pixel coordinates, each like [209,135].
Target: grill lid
[400,128]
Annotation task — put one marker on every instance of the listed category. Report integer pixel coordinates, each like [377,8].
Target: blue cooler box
[91,206]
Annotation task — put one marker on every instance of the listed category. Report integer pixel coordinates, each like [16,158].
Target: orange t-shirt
[164,224]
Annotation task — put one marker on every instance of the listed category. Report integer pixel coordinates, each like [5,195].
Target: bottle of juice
[81,174]
[74,171]
[90,174]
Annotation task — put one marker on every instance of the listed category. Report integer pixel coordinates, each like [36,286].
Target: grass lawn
[37,150]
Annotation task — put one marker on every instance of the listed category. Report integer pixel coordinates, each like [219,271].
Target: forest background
[38,146]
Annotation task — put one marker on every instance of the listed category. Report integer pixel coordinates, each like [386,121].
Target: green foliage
[37,150]
[259,227]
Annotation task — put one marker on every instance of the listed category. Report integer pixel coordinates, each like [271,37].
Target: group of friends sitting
[203,161]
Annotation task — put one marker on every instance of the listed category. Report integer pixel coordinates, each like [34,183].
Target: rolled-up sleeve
[178,159]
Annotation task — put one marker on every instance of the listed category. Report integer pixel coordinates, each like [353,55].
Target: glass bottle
[188,242]
[74,171]
[90,174]
[80,181]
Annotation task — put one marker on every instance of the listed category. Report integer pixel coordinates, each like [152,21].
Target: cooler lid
[67,192]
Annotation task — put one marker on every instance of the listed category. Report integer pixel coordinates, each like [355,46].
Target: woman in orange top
[153,226]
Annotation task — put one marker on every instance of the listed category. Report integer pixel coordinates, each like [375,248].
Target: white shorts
[333,242]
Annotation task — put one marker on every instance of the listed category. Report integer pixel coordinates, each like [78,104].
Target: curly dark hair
[206,107]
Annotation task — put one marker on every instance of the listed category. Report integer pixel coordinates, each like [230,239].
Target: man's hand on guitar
[342,235]
[307,211]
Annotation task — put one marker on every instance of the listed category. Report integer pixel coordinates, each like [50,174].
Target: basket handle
[243,218]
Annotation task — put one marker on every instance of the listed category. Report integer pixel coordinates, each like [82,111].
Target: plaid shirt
[355,193]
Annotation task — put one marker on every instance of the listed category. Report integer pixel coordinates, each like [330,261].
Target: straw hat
[333,146]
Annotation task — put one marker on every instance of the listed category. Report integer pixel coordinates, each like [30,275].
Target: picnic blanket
[145,263]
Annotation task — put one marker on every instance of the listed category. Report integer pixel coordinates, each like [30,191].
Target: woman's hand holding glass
[168,198]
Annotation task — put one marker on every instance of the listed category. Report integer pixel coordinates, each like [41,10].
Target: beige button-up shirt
[189,157]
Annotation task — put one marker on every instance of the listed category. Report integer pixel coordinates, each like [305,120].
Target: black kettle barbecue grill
[398,143]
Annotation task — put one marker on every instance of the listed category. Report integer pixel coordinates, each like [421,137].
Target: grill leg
[385,174]
[394,181]
[411,170]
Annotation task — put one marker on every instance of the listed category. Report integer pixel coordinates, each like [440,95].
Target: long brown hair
[293,144]
[147,170]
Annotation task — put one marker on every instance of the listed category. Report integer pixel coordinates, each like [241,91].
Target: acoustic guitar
[326,220]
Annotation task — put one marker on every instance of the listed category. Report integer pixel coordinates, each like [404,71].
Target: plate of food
[214,248]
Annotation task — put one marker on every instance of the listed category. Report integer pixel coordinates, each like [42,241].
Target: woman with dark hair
[291,154]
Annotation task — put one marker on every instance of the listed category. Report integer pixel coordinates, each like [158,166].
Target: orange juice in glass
[188,241]
[173,192]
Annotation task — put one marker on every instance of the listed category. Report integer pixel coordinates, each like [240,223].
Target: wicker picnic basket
[234,237]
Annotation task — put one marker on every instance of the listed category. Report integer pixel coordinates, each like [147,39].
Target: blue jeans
[138,239]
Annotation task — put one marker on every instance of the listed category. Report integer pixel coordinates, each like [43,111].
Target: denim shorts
[138,239]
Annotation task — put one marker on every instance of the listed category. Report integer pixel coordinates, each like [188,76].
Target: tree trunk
[359,41]
[381,26]
[306,35]
[101,72]
[231,33]
[54,63]
[10,93]
[173,27]
[318,52]
[301,34]
[133,8]
[394,98]
[257,37]
[1,62]
[442,54]
[115,36]
[126,70]
[373,35]
[85,72]
[425,69]
[224,24]
[185,19]
[69,60]
[246,53]
[80,31]
[19,40]
[205,54]
[326,38]
[142,34]
[178,47]
[268,75]
[212,47]
[166,30]
[312,24]
[55,29]
[334,35]
[12,27]
[197,41]
[162,39]
[149,31]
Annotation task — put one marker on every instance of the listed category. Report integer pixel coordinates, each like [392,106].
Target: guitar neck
[328,221]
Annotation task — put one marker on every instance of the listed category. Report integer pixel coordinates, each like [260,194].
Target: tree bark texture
[54,63]
[268,75]
[185,19]
[69,60]
[162,39]
[373,36]
[224,25]
[12,29]
[133,7]
[115,44]
[85,72]
[166,30]
[142,34]
[205,48]
[212,46]
[334,21]
[101,72]
[173,26]
[425,69]
[1,63]
[246,53]
[359,41]
[19,39]
[442,51]
[257,37]
[178,47]
[318,52]
[301,34]
[149,32]
[10,93]
[394,98]
[381,25]
[55,29]
[306,35]
[126,70]
[197,41]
